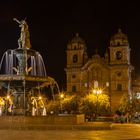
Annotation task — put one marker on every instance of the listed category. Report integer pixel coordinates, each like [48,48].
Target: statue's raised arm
[24,40]
[15,19]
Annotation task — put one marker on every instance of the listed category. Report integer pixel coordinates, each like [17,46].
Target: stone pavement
[84,126]
[118,132]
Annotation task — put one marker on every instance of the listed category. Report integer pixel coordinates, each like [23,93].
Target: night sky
[53,23]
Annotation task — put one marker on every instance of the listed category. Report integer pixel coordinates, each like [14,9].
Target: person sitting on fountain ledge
[24,40]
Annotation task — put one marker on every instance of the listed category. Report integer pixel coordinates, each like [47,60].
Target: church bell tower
[120,68]
[76,58]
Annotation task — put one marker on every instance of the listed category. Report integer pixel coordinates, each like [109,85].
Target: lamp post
[97,92]
[2,103]
[7,98]
[61,98]
[109,93]
[34,106]
[43,109]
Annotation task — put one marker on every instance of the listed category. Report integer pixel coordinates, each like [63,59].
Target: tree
[88,104]
[124,104]
[53,106]
[95,104]
[71,104]
[135,103]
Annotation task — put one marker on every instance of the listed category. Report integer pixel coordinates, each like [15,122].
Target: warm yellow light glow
[40,97]
[94,91]
[97,91]
[8,97]
[62,95]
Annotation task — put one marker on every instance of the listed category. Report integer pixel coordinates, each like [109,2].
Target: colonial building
[112,73]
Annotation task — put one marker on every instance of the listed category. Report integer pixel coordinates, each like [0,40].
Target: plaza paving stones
[118,132]
[85,126]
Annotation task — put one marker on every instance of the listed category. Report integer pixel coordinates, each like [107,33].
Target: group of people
[122,118]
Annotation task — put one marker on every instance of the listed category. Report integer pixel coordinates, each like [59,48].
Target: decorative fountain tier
[23,73]
[22,62]
[22,65]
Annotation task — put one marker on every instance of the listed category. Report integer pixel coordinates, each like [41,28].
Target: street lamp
[8,102]
[43,109]
[8,97]
[39,97]
[2,103]
[97,92]
[61,98]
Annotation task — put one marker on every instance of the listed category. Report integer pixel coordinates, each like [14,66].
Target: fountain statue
[24,40]
[22,76]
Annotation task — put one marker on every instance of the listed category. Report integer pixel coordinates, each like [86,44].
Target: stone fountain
[22,73]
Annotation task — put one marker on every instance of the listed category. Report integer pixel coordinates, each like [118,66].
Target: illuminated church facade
[112,73]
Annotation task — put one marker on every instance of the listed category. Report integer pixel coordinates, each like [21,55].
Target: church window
[86,84]
[73,76]
[119,87]
[119,74]
[75,58]
[118,43]
[118,55]
[74,47]
[73,88]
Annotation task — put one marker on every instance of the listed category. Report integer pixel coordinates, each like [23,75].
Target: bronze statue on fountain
[22,73]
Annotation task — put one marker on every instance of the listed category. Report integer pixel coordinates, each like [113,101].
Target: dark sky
[53,23]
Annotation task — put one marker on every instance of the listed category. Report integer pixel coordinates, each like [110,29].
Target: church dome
[76,42]
[119,39]
[77,39]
